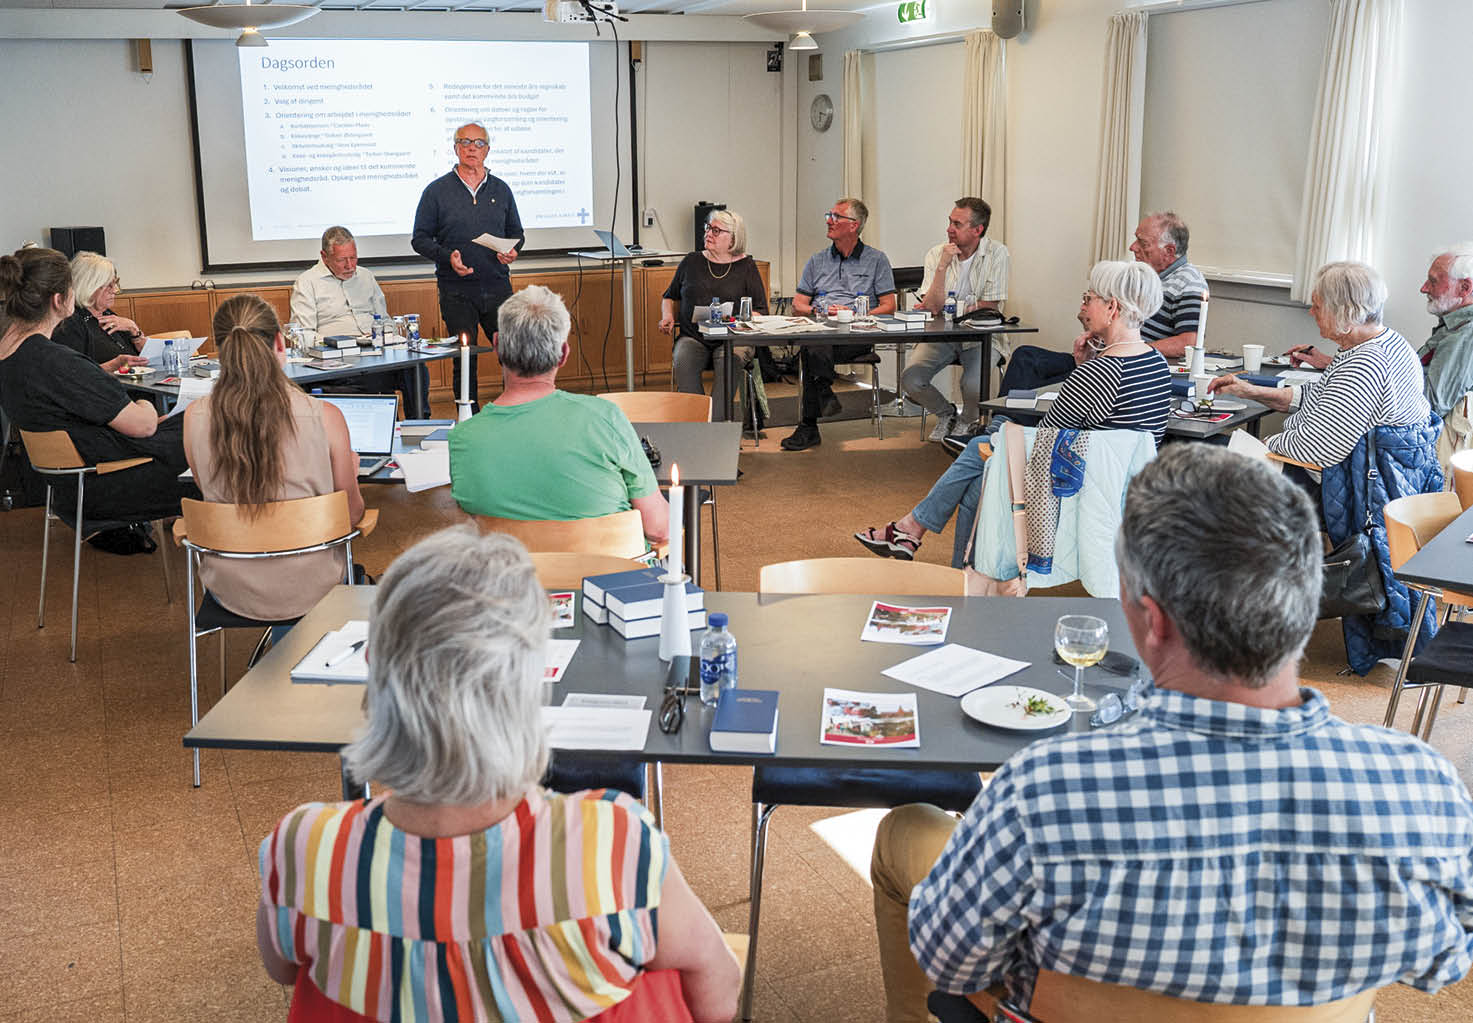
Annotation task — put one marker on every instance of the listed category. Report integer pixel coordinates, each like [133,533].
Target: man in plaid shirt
[1233,842]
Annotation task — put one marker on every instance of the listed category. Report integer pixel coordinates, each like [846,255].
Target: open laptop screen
[370,420]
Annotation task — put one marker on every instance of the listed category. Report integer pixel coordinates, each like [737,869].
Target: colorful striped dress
[547,916]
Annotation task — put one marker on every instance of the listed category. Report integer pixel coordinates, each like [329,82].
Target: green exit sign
[912,10]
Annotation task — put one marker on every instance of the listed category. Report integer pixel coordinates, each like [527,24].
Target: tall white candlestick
[677,521]
[1202,324]
[464,403]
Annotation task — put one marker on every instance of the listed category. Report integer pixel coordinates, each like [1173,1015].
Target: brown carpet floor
[125,894]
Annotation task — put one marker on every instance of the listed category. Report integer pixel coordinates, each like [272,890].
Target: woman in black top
[45,386]
[723,271]
[93,329]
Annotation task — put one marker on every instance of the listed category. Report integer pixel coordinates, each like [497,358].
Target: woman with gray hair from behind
[466,891]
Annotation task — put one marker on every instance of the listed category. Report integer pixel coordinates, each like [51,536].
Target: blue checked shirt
[1209,851]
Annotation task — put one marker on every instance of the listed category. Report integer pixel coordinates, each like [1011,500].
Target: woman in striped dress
[467,892]
[1119,383]
[1375,379]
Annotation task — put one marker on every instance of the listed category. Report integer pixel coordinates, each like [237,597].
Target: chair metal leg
[1423,699]
[193,651]
[262,645]
[1406,660]
[164,558]
[715,539]
[222,662]
[876,412]
[1432,714]
[76,567]
[655,785]
[45,551]
[761,815]
[348,553]
[751,391]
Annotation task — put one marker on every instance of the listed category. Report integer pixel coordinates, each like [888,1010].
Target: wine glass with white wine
[1081,640]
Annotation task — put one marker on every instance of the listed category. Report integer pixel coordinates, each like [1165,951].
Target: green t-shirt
[565,456]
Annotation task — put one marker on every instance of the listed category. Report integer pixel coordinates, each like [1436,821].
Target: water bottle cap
[718,620]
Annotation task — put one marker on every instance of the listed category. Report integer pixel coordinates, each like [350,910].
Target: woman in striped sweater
[467,892]
[1119,383]
[1375,379]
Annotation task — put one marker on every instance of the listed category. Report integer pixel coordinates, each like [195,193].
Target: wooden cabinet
[277,297]
[656,349]
[158,311]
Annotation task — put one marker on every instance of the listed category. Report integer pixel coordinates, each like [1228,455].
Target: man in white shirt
[335,297]
[975,268]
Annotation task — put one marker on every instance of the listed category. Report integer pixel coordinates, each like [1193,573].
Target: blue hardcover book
[647,599]
[1021,398]
[639,628]
[745,721]
[1262,379]
[1181,388]
[595,585]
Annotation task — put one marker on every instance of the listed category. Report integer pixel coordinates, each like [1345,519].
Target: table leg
[984,368]
[1255,428]
[692,552]
[725,412]
[628,325]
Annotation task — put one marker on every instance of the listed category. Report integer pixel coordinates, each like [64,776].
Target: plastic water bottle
[414,328]
[378,330]
[715,318]
[821,306]
[950,308]
[718,660]
[172,368]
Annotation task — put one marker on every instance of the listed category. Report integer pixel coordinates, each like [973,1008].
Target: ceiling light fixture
[803,41]
[805,22]
[249,17]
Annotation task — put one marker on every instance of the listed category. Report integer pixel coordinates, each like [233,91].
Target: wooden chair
[862,575]
[620,535]
[561,570]
[1061,998]
[1461,466]
[53,454]
[859,788]
[1410,522]
[284,528]
[165,335]
[673,407]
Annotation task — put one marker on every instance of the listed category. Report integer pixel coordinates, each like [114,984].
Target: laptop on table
[371,419]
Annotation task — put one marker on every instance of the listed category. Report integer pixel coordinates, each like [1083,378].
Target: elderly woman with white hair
[110,340]
[1374,379]
[724,271]
[465,891]
[1119,383]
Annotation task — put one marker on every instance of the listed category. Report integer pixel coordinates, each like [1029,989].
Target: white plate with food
[1016,708]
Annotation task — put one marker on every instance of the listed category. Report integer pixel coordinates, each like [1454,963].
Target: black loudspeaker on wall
[703,211]
[1007,18]
[71,240]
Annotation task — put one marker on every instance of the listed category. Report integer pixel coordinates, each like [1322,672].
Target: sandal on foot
[890,542]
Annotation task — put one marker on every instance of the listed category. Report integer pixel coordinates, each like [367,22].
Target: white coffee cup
[1252,358]
[1199,386]
[845,315]
[1186,356]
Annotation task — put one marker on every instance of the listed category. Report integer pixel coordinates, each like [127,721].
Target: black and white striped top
[1131,392]
[1376,383]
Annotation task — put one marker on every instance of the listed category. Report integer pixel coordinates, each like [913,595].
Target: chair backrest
[52,449]
[662,406]
[620,534]
[1461,465]
[862,575]
[164,335]
[561,570]
[281,526]
[1059,998]
[1413,520]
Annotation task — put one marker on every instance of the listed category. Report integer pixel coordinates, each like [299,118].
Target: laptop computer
[371,420]
[614,245]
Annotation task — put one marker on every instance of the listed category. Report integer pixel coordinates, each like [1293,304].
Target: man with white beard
[1448,353]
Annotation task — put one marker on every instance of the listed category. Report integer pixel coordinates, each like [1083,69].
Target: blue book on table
[594,586]
[1262,379]
[1181,388]
[647,599]
[745,721]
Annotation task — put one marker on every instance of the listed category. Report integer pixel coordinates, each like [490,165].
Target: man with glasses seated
[1232,842]
[463,204]
[833,278]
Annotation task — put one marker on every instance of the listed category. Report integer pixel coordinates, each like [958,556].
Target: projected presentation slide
[351,131]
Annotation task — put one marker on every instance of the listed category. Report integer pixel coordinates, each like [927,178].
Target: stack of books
[630,602]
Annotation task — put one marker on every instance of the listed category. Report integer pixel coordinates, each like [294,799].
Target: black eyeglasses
[831,216]
[672,706]
[478,143]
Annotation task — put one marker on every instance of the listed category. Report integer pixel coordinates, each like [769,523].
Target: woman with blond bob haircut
[256,439]
[110,340]
[468,891]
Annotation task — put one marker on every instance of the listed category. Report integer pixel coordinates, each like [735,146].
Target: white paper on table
[153,348]
[897,623]
[1244,443]
[954,670]
[318,666]
[788,324]
[559,655]
[190,388]
[613,728]
[496,243]
[425,470]
[1300,376]
[604,700]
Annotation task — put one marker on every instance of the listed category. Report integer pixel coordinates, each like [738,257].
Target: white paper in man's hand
[495,243]
[954,670]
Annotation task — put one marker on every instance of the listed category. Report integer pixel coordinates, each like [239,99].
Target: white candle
[465,370]
[677,521]
[1202,324]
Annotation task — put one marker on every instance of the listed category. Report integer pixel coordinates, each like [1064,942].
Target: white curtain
[1122,117]
[1345,178]
[985,125]
[852,109]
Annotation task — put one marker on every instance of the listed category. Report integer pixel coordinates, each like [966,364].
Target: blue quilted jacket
[1406,463]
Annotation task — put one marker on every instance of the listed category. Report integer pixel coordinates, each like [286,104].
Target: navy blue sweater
[449,217]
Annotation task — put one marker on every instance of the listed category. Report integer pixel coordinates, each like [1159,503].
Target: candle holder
[674,619]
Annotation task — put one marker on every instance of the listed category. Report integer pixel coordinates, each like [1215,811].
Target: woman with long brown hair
[256,439]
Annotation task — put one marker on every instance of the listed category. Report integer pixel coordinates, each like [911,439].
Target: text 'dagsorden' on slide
[351,131]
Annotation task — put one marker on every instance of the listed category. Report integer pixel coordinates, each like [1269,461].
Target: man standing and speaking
[455,209]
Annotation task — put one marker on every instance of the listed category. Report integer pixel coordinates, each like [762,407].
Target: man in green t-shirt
[540,453]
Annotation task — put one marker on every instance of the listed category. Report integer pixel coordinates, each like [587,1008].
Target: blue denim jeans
[958,490]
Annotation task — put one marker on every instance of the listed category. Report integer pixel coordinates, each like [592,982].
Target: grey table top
[1446,561]
[936,329]
[1176,426]
[797,645]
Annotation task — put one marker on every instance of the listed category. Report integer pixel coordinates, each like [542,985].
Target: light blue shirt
[1450,371]
[865,271]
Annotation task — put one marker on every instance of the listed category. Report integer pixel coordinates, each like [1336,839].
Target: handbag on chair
[982,585]
[1352,583]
